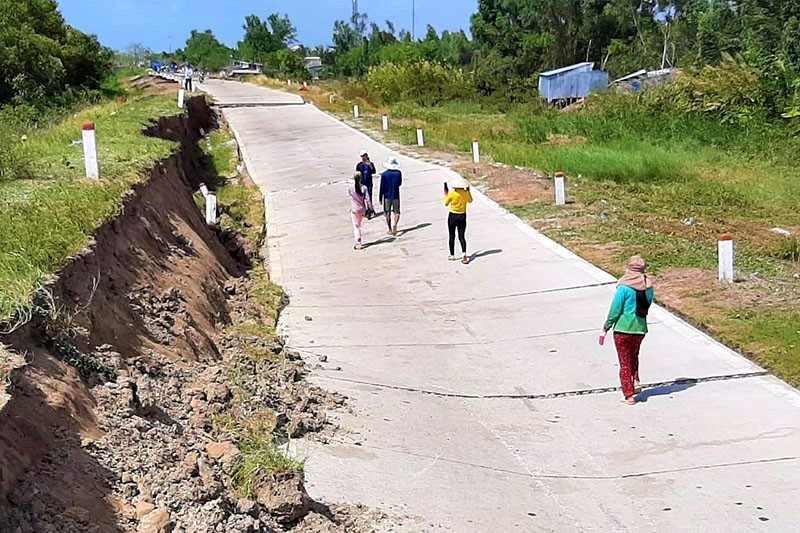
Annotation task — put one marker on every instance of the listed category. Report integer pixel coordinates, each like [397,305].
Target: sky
[164,24]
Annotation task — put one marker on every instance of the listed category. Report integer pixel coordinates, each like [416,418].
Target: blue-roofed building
[572,82]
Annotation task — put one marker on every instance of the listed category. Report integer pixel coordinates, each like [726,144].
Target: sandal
[464,260]
[451,258]
[358,247]
[630,401]
[637,387]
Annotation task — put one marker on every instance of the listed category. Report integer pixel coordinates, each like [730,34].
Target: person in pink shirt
[359,204]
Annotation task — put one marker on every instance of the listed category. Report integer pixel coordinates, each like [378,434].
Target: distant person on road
[457,199]
[366,168]
[360,203]
[389,193]
[188,73]
[628,318]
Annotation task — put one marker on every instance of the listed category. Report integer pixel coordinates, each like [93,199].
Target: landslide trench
[111,423]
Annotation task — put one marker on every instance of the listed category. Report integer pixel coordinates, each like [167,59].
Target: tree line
[43,60]
[512,41]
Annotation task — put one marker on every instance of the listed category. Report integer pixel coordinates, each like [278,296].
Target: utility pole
[413,20]
[170,44]
[355,9]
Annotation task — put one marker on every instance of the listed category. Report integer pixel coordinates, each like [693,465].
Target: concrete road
[480,396]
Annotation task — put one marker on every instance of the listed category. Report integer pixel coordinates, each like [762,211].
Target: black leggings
[188,84]
[457,221]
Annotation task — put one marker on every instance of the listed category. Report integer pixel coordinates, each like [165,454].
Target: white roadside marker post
[355,111]
[181,97]
[561,195]
[476,152]
[331,98]
[385,120]
[211,209]
[420,137]
[725,250]
[204,190]
[90,151]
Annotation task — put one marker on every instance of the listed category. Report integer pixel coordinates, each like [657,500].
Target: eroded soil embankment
[103,301]
[110,425]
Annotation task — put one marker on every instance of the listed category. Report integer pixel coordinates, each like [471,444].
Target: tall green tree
[42,58]
[204,50]
[263,38]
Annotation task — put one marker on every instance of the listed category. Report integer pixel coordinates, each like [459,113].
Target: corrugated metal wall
[576,83]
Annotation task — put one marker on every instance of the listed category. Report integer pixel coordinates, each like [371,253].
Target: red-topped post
[90,151]
[561,193]
[725,251]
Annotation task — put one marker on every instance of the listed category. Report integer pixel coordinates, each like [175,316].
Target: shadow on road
[414,228]
[484,253]
[384,240]
[680,385]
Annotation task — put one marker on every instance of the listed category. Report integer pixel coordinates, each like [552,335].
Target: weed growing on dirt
[46,219]
[788,250]
[60,330]
[260,459]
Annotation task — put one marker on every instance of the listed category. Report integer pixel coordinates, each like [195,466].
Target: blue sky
[119,23]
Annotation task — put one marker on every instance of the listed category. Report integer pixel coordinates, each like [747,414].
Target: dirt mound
[153,85]
[114,423]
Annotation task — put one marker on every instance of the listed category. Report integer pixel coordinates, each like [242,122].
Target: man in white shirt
[187,75]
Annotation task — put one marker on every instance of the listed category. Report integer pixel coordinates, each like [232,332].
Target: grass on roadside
[50,217]
[260,459]
[261,455]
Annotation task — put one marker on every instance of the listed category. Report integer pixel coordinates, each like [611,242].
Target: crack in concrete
[307,348]
[617,477]
[551,395]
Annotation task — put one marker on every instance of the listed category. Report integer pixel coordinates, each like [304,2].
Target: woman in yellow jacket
[457,200]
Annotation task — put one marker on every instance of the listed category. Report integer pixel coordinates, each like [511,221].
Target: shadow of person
[413,228]
[384,240]
[679,385]
[484,253]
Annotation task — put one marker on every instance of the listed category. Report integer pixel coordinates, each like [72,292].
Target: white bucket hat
[457,182]
[362,152]
[391,163]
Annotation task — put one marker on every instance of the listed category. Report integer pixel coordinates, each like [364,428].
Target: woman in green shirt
[628,318]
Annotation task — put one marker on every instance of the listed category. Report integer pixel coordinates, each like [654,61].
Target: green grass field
[50,213]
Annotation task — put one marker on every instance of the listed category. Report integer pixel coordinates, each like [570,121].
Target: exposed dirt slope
[111,424]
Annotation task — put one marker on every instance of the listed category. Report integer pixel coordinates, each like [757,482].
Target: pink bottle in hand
[602,339]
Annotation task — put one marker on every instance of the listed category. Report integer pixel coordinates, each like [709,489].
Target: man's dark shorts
[390,206]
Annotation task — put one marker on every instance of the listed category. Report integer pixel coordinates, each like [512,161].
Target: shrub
[425,82]
[735,92]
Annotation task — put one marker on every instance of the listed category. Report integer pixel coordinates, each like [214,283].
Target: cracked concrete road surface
[480,398]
